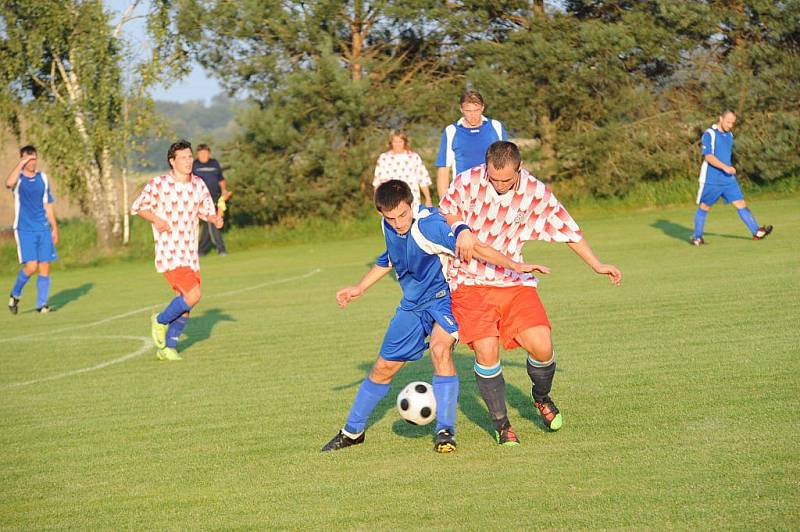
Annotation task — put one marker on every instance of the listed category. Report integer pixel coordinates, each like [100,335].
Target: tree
[61,68]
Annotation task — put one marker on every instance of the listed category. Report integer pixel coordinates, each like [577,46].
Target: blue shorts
[405,337]
[709,193]
[35,246]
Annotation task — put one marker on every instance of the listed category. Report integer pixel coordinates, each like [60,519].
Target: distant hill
[194,121]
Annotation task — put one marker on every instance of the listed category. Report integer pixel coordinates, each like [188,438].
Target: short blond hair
[402,134]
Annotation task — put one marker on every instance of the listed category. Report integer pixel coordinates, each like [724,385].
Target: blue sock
[445,389]
[368,396]
[749,220]
[21,280]
[42,290]
[175,330]
[699,222]
[173,311]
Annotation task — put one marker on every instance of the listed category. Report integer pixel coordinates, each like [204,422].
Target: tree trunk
[547,134]
[356,42]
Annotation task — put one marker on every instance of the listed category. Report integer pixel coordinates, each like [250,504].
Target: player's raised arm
[347,294]
[13,176]
[585,252]
[489,254]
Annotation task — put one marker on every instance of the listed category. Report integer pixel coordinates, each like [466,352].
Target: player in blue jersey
[718,179]
[35,228]
[465,142]
[414,243]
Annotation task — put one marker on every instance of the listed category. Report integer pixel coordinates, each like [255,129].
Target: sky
[198,85]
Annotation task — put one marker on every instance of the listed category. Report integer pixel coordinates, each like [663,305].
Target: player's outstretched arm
[489,254]
[587,255]
[346,295]
[442,181]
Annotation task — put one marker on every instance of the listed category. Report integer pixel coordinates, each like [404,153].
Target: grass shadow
[64,297]
[684,234]
[200,327]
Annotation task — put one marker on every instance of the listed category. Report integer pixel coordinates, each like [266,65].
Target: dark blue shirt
[211,174]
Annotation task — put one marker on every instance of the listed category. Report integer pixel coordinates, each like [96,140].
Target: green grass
[680,392]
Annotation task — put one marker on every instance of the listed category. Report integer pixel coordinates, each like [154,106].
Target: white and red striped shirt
[505,222]
[180,204]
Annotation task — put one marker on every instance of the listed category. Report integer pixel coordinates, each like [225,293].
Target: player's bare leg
[541,367]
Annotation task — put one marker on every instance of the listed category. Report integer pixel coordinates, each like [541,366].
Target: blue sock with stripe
[749,220]
[42,290]
[175,330]
[174,310]
[699,222]
[368,396]
[445,389]
[20,284]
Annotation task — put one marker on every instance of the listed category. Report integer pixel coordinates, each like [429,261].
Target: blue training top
[415,257]
[30,196]
[462,147]
[719,144]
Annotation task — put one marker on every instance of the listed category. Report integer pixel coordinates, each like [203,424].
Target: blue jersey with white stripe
[464,147]
[415,257]
[719,144]
[30,196]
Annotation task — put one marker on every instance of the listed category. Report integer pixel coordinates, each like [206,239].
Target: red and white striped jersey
[505,222]
[180,204]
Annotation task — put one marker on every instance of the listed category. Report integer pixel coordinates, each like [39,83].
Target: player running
[505,207]
[718,179]
[35,228]
[414,243]
[173,203]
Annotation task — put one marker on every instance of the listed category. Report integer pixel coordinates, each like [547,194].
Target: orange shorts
[182,279]
[490,311]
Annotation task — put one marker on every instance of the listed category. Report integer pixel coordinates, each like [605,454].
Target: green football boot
[506,436]
[168,353]
[158,331]
[550,414]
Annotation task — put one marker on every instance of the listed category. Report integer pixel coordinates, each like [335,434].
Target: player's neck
[29,174]
[180,177]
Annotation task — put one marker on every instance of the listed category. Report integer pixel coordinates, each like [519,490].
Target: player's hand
[28,157]
[465,245]
[732,170]
[521,267]
[219,221]
[346,295]
[54,235]
[161,225]
[612,271]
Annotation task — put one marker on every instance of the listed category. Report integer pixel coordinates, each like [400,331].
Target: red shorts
[490,311]
[182,279]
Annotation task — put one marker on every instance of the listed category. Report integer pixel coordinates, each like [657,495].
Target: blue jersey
[462,147]
[719,144]
[415,257]
[30,196]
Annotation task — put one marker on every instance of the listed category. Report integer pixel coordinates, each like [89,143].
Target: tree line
[612,92]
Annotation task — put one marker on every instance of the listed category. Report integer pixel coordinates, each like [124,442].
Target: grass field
[680,392]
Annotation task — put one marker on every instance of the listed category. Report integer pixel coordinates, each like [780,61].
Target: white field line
[146,342]
[147,345]
[157,305]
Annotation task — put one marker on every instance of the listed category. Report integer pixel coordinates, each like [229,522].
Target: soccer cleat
[342,440]
[158,331]
[506,436]
[552,417]
[168,353]
[44,309]
[445,442]
[697,241]
[13,304]
[762,232]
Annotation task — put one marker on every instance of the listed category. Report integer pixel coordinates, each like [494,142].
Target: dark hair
[28,149]
[201,147]
[472,97]
[390,194]
[502,154]
[177,146]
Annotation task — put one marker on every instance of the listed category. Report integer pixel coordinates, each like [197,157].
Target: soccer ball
[416,403]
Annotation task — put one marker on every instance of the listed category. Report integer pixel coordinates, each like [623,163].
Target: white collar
[462,124]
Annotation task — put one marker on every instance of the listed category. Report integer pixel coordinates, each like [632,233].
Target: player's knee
[440,351]
[30,267]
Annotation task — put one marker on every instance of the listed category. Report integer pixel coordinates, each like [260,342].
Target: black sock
[542,379]
[493,391]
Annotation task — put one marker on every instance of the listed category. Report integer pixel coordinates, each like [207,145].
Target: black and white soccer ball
[416,403]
